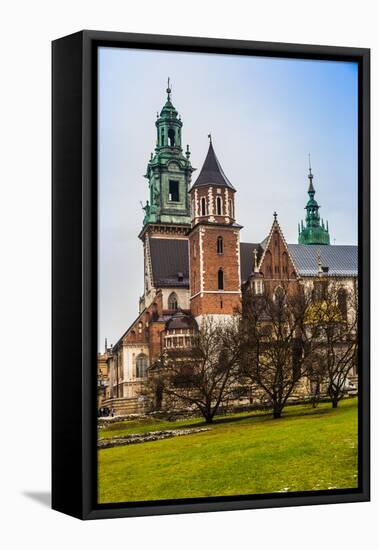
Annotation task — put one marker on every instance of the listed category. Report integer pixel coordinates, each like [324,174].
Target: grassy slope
[243,454]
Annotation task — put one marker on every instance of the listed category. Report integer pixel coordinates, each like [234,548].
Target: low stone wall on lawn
[131,439]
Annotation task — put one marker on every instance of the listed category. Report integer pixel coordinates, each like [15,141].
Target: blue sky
[265,116]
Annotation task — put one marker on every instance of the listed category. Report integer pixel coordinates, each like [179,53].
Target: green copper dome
[168,171]
[314,231]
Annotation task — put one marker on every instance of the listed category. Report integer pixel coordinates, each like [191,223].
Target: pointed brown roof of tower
[211,172]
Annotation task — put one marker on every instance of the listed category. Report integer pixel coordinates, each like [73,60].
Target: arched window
[220,279]
[203,206]
[171,137]
[231,209]
[285,263]
[342,302]
[220,245]
[279,296]
[141,365]
[172,301]
[218,206]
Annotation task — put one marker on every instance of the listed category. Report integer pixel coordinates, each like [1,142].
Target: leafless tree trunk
[335,316]
[275,345]
[205,375]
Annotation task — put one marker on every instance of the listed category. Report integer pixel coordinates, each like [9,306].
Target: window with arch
[218,206]
[220,245]
[279,295]
[220,279]
[231,208]
[203,206]
[171,137]
[342,302]
[141,365]
[172,301]
[285,263]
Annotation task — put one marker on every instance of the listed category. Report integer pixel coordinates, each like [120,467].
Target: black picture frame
[74,272]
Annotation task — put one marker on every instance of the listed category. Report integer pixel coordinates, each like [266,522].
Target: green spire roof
[314,231]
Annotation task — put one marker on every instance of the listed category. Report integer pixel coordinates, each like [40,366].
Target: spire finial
[210,137]
[275,216]
[309,163]
[168,89]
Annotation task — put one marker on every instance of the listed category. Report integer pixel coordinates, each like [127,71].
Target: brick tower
[214,251]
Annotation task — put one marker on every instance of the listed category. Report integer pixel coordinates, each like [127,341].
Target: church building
[194,263]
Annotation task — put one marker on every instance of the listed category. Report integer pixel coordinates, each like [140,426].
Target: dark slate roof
[169,259]
[181,320]
[342,260]
[212,172]
[246,259]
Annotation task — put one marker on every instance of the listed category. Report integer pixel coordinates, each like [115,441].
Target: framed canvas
[210,274]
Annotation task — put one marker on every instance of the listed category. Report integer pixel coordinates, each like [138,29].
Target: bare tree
[275,344]
[205,375]
[334,317]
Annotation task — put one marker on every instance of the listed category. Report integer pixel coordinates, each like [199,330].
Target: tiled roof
[169,259]
[212,172]
[246,258]
[341,260]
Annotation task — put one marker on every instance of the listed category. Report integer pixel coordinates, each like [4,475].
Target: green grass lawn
[307,449]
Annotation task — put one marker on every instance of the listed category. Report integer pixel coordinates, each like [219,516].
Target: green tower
[168,171]
[314,231]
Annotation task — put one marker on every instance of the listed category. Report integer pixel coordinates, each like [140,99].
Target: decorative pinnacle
[255,254]
[188,152]
[319,265]
[168,89]
[275,216]
[210,137]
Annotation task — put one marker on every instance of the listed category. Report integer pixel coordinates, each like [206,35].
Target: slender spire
[314,231]
[311,189]
[168,89]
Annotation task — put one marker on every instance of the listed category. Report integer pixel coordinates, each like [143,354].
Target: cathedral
[195,265]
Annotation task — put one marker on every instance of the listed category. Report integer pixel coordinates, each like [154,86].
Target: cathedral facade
[195,265]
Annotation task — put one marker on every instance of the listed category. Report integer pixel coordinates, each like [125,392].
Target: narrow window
[203,206]
[171,137]
[194,250]
[162,136]
[231,209]
[218,206]
[220,245]
[141,365]
[220,279]
[173,193]
[172,302]
[342,302]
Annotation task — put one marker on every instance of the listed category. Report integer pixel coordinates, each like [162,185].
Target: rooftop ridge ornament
[168,90]
[275,216]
